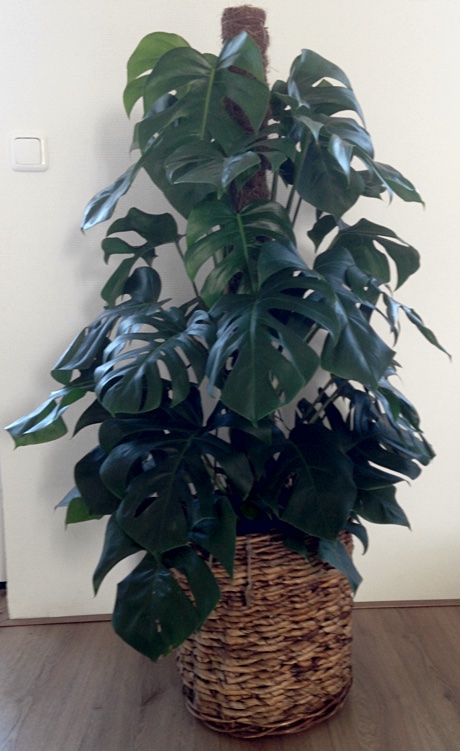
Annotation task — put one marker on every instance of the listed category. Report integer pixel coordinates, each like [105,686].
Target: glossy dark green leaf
[277,260]
[152,511]
[93,415]
[130,379]
[380,507]
[310,69]
[117,547]
[397,183]
[427,333]
[96,496]
[359,353]
[342,152]
[104,203]
[144,58]
[207,80]
[45,423]
[323,184]
[271,363]
[203,162]
[335,553]
[350,132]
[159,229]
[150,599]
[123,463]
[216,225]
[322,491]
[77,511]
[114,286]
[322,227]
[364,239]
[182,196]
[389,179]
[357,529]
[217,533]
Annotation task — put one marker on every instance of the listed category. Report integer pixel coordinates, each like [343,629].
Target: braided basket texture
[275,655]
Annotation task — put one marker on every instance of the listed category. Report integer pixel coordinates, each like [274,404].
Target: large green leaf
[130,379]
[321,492]
[203,162]
[380,506]
[270,361]
[45,423]
[207,80]
[156,229]
[392,180]
[117,547]
[322,181]
[104,203]
[153,613]
[216,533]
[144,58]
[363,241]
[152,510]
[307,83]
[182,196]
[216,230]
[359,353]
[97,497]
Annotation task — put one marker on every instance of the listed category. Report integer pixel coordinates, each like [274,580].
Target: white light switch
[28,153]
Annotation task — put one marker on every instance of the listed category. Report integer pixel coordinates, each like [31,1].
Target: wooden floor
[77,687]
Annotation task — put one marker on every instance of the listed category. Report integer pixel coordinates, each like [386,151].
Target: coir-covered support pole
[252,20]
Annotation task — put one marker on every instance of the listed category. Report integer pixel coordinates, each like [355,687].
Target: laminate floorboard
[77,687]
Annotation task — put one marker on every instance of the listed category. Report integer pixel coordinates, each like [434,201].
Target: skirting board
[5,621]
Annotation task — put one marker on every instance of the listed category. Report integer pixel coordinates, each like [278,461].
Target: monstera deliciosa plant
[195,446]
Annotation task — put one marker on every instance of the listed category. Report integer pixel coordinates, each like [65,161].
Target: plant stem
[291,198]
[179,250]
[328,401]
[274,186]
[296,212]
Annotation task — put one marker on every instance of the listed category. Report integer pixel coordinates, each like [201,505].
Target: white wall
[64,72]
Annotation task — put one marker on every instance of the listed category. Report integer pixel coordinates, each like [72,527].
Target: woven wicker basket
[275,655]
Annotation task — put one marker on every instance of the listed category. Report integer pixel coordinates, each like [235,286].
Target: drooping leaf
[217,533]
[310,69]
[45,423]
[322,227]
[335,553]
[77,511]
[312,480]
[363,239]
[359,353]
[357,529]
[117,547]
[96,496]
[104,203]
[380,506]
[150,599]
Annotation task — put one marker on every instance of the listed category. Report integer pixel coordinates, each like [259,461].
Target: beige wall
[63,69]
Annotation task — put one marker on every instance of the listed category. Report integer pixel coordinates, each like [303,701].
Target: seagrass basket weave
[275,655]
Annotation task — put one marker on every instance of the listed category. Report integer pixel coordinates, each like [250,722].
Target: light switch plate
[28,152]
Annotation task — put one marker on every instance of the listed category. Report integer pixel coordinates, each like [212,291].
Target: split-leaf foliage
[263,329]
